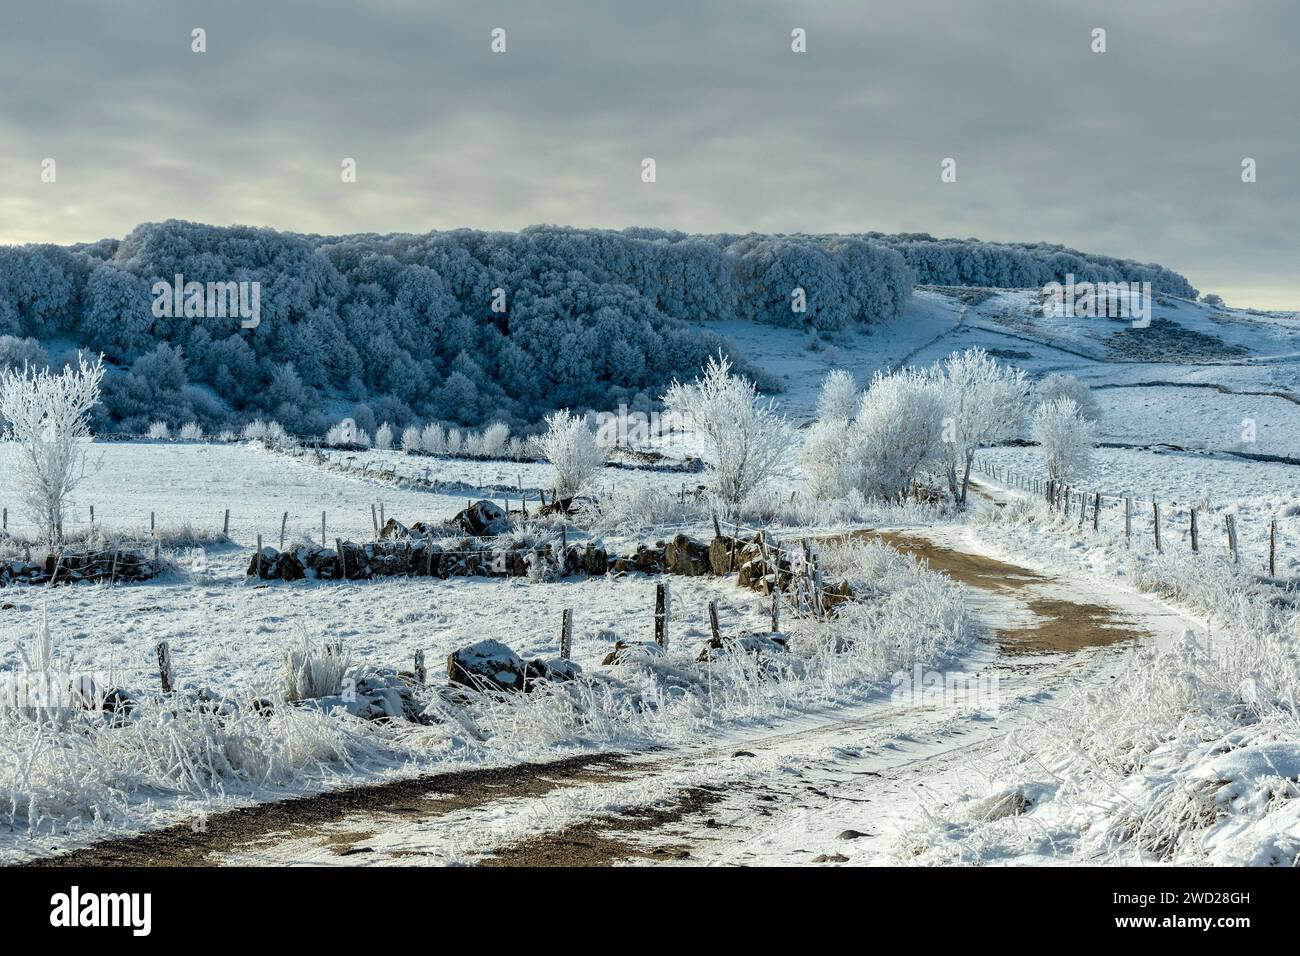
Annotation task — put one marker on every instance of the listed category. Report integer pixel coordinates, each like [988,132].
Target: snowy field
[1091,604]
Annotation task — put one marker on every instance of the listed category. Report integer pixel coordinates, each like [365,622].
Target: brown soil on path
[1064,627]
[416,799]
[1061,626]
[607,840]
[976,570]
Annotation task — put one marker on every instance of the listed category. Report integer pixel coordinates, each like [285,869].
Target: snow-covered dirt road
[841,789]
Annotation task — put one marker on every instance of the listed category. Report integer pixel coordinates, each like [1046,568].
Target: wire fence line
[1087,508]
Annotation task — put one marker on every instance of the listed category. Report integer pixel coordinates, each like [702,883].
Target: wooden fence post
[420,673]
[284,523]
[374,519]
[152,528]
[713,623]
[1096,511]
[382,520]
[776,610]
[566,634]
[1195,542]
[225,525]
[661,616]
[324,541]
[92,516]
[1155,511]
[342,561]
[1230,524]
[165,667]
[1128,519]
[257,559]
[1272,549]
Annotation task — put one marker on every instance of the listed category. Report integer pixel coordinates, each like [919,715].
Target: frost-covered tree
[410,439]
[47,415]
[1059,385]
[433,439]
[897,433]
[1066,439]
[890,440]
[571,448]
[384,437]
[984,402]
[495,437]
[838,399]
[746,438]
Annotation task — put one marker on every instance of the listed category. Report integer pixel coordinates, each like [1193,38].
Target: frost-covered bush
[433,439]
[495,437]
[571,448]
[455,441]
[1059,385]
[888,440]
[838,398]
[21,353]
[270,434]
[384,437]
[746,438]
[311,671]
[191,431]
[159,431]
[410,439]
[1066,439]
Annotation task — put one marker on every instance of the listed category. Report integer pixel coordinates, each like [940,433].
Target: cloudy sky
[1136,152]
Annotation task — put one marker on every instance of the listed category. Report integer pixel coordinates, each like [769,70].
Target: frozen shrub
[21,353]
[1066,438]
[311,671]
[159,431]
[455,441]
[570,446]
[473,447]
[494,441]
[838,398]
[433,439]
[384,437]
[1059,385]
[410,439]
[226,436]
[270,434]
[191,431]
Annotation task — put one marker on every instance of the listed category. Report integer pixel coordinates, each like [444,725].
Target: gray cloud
[1135,152]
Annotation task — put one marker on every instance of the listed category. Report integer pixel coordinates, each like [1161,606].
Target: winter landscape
[578,546]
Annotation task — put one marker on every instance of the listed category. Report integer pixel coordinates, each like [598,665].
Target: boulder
[685,555]
[487,665]
[837,595]
[483,519]
[723,555]
[595,561]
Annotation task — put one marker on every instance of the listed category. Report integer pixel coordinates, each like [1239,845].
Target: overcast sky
[1135,152]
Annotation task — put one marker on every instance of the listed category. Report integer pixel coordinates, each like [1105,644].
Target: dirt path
[762,796]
